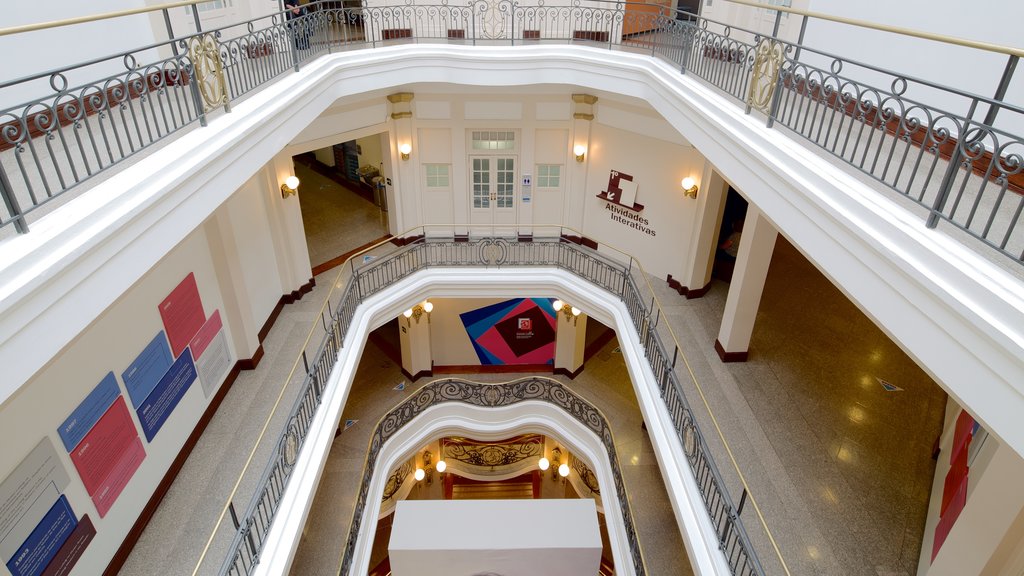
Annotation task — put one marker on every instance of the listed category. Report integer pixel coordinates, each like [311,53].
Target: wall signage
[621,204]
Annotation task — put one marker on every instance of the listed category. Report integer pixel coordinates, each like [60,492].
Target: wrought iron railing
[623,278]
[491,396]
[952,159]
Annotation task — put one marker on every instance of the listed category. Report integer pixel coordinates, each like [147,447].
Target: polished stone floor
[840,468]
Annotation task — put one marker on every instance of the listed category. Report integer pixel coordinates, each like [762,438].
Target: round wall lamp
[290,186]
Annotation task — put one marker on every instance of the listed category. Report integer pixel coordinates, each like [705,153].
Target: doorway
[493,181]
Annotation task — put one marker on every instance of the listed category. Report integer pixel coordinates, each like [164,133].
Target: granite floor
[840,468]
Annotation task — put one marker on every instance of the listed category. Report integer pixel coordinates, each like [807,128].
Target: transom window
[549,175]
[494,140]
[437,176]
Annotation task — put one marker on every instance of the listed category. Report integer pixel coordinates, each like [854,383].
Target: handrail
[986,46]
[535,388]
[605,271]
[967,172]
[96,17]
[291,373]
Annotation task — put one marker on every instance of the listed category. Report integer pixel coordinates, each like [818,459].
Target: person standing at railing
[294,10]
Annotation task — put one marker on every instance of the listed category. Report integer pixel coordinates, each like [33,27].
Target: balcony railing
[955,162]
[606,268]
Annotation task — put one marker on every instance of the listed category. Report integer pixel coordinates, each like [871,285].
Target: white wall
[111,343]
[33,52]
[250,224]
[657,168]
[990,520]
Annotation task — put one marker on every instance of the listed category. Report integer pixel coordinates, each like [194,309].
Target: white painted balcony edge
[958,315]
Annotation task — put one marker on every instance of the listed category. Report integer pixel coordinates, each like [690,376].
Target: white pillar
[414,338]
[570,344]
[704,237]
[407,208]
[286,227]
[242,327]
[576,196]
[757,242]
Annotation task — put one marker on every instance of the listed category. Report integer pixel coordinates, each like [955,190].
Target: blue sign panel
[45,541]
[146,371]
[88,412]
[165,396]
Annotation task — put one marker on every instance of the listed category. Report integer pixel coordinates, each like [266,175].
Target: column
[583,115]
[704,238]
[757,242]
[286,227]
[570,343]
[414,337]
[242,327]
[404,150]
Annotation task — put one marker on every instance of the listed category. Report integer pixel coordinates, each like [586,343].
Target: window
[209,6]
[437,175]
[549,175]
[484,140]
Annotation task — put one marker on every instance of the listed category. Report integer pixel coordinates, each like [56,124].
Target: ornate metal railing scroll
[939,146]
[565,253]
[206,60]
[491,396]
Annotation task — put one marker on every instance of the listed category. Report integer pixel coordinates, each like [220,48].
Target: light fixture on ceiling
[289,187]
[689,187]
[404,150]
[580,151]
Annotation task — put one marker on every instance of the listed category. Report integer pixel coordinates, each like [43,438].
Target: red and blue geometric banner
[519,331]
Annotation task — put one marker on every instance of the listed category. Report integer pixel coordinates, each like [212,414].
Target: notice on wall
[164,398]
[145,372]
[72,549]
[205,335]
[182,314]
[214,364]
[109,455]
[43,544]
[89,412]
[27,494]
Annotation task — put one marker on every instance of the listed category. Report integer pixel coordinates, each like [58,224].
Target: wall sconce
[543,464]
[570,312]
[557,469]
[580,151]
[290,186]
[428,471]
[689,187]
[404,150]
[417,311]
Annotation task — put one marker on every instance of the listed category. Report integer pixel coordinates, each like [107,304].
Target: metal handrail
[964,171]
[96,17]
[426,250]
[492,395]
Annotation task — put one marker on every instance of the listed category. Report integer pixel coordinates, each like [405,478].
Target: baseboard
[418,375]
[698,292]
[297,294]
[675,285]
[335,262]
[121,556]
[132,538]
[252,363]
[491,368]
[730,356]
[270,320]
[565,372]
[690,293]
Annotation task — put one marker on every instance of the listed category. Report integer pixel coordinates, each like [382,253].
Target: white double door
[493,188]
